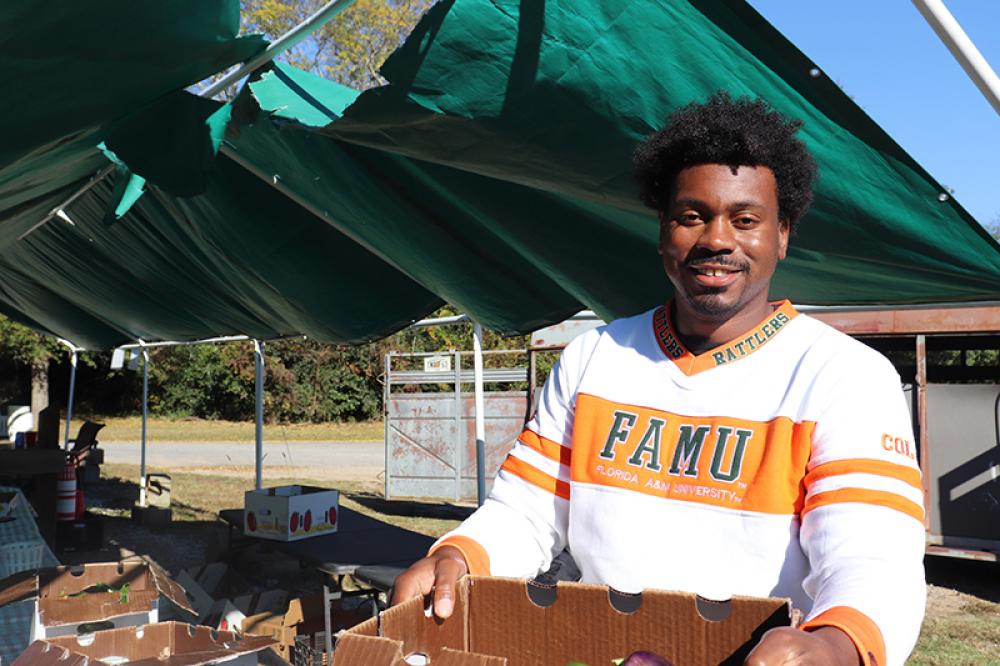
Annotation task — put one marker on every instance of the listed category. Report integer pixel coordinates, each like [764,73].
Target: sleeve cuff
[864,633]
[475,555]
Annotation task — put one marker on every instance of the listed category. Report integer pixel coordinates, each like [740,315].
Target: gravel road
[351,458]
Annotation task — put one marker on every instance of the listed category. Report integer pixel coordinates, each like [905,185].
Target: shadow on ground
[411,508]
[979,579]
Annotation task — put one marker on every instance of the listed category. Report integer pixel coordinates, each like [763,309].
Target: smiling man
[722,443]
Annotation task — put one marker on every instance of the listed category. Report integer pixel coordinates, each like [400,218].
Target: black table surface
[360,540]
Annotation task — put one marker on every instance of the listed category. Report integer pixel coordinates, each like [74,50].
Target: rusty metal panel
[431,442]
[956,319]
[962,434]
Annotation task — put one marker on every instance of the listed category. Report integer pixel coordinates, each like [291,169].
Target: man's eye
[745,222]
[689,218]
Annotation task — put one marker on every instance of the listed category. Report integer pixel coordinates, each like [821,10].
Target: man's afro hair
[736,133]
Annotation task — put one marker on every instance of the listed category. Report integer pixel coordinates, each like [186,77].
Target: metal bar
[922,443]
[457,458]
[477,348]
[73,356]
[962,48]
[532,383]
[283,43]
[322,16]
[493,376]
[83,189]
[328,597]
[203,341]
[145,415]
[386,396]
[258,355]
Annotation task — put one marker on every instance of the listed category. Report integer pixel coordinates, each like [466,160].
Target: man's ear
[663,230]
[784,230]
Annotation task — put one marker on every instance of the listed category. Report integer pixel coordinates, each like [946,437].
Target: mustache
[716,260]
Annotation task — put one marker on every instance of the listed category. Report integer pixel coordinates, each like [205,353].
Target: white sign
[437,364]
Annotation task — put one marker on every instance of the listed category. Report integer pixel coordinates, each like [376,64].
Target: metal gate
[430,436]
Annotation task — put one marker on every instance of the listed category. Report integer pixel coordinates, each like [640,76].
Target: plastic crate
[21,556]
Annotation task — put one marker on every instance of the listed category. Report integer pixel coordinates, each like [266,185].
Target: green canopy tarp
[492,172]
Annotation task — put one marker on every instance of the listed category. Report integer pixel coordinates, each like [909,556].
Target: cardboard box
[299,624]
[166,644]
[75,599]
[290,513]
[507,622]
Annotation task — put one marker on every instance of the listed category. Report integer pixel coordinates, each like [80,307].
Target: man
[720,444]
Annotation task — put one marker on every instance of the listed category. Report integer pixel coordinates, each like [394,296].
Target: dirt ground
[962,624]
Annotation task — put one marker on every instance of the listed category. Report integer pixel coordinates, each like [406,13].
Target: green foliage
[350,48]
[23,345]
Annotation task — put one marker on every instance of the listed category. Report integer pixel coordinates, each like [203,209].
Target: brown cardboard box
[507,622]
[302,620]
[58,612]
[164,644]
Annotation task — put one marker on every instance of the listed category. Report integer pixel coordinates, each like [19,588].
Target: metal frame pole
[962,48]
[73,357]
[283,43]
[477,348]
[258,353]
[145,415]
[322,16]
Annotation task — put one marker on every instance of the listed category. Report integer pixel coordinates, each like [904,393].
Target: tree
[350,48]
[27,347]
[993,226]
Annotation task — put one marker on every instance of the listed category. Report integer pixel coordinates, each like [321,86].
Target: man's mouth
[715,276]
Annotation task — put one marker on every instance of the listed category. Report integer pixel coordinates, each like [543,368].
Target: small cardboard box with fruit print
[290,513]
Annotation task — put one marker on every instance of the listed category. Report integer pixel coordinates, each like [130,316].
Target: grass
[969,636]
[200,497]
[124,429]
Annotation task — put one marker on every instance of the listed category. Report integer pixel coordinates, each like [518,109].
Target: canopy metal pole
[283,43]
[962,48]
[477,348]
[145,415]
[258,354]
[73,357]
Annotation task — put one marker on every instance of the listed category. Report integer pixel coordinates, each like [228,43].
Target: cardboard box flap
[41,653]
[170,588]
[423,632]
[21,586]
[449,657]
[77,593]
[356,649]
[163,644]
[592,624]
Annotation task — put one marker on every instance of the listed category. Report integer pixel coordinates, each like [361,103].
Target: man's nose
[717,235]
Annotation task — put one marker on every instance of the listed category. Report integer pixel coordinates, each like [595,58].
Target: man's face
[721,239]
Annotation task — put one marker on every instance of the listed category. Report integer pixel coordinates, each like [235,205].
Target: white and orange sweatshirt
[780,464]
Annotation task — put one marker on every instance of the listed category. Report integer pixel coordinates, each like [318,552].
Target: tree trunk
[39,388]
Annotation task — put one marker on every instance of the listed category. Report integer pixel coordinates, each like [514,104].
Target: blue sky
[885,56]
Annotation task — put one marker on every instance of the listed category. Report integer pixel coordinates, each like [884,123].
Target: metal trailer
[956,412]
[430,437]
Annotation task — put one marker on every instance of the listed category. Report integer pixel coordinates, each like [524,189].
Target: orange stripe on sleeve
[548,448]
[877,497]
[859,627]
[476,557]
[536,477]
[903,473]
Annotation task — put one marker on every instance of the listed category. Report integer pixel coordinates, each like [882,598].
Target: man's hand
[438,573]
[784,646]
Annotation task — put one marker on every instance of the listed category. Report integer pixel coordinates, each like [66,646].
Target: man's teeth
[714,272]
